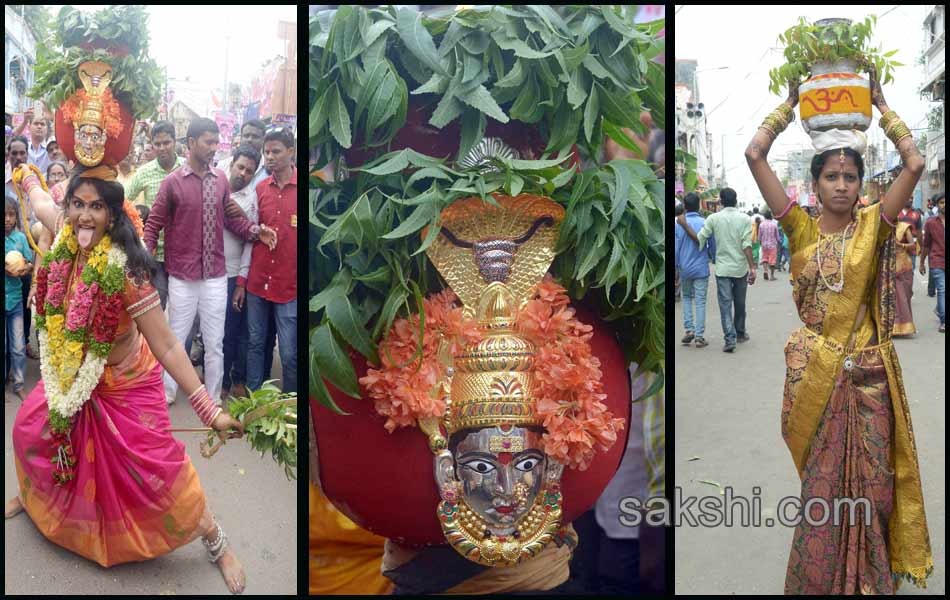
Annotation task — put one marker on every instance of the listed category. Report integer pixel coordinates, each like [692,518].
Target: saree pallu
[845,416]
[135,495]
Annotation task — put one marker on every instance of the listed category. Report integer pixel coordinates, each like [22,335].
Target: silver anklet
[216,549]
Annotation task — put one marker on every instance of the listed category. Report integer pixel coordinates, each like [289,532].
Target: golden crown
[492,257]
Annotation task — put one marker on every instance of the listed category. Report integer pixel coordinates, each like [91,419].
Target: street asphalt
[728,433]
[252,499]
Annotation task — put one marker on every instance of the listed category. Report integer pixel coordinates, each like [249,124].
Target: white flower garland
[87,378]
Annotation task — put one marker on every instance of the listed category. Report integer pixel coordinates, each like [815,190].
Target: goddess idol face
[501,471]
[90,144]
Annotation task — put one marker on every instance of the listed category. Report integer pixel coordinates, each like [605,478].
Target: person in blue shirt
[15,340]
[693,266]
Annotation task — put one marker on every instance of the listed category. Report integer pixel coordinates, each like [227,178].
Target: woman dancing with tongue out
[98,471]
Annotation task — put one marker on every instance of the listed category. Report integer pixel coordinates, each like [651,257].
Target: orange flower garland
[112,121]
[576,420]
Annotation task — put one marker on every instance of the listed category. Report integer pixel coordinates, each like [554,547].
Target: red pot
[385,483]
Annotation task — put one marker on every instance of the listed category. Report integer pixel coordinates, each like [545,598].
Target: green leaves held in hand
[270,424]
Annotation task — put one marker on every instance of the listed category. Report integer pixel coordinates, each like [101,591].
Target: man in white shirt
[242,167]
[252,134]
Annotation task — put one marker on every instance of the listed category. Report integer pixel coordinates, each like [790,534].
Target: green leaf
[339,118]
[418,39]
[520,48]
[374,31]
[430,172]
[422,215]
[517,184]
[430,235]
[331,362]
[525,107]
[319,113]
[533,165]
[591,113]
[383,105]
[318,389]
[617,108]
[473,130]
[396,163]
[576,94]
[340,284]
[396,298]
[437,84]
[342,315]
[448,109]
[514,78]
[481,99]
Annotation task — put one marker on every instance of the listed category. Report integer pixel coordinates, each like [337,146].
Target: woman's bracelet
[31,181]
[206,410]
[778,120]
[894,127]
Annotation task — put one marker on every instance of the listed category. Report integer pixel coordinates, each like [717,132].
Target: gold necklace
[838,285]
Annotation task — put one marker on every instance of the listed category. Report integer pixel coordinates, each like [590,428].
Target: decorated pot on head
[835,96]
[92,126]
[514,399]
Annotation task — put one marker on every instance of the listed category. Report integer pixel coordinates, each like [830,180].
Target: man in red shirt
[272,280]
[935,232]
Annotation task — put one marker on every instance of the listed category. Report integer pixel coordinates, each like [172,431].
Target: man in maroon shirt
[272,279]
[935,232]
[191,208]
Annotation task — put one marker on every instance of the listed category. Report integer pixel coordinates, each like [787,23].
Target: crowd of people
[236,298]
[738,243]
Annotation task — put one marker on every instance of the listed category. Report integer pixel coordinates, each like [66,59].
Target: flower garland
[568,375]
[74,345]
[112,118]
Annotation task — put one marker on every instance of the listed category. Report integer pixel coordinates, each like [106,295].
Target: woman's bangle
[206,410]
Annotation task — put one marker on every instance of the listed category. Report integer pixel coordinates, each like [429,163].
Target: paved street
[251,497]
[728,410]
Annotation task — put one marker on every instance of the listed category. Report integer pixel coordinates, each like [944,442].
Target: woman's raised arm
[27,178]
[900,135]
[757,152]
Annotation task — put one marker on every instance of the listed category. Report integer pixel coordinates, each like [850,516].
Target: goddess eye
[480,466]
[526,464]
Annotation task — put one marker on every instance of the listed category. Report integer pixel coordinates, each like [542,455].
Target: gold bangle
[786,111]
[898,132]
[768,130]
[887,118]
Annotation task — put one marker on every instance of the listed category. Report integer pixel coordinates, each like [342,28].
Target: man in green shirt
[735,268]
[148,179]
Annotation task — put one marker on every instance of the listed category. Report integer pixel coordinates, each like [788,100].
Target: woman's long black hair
[140,263]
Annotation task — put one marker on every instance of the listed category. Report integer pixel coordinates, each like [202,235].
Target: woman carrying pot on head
[845,416]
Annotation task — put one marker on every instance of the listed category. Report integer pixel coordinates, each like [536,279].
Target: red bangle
[206,410]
